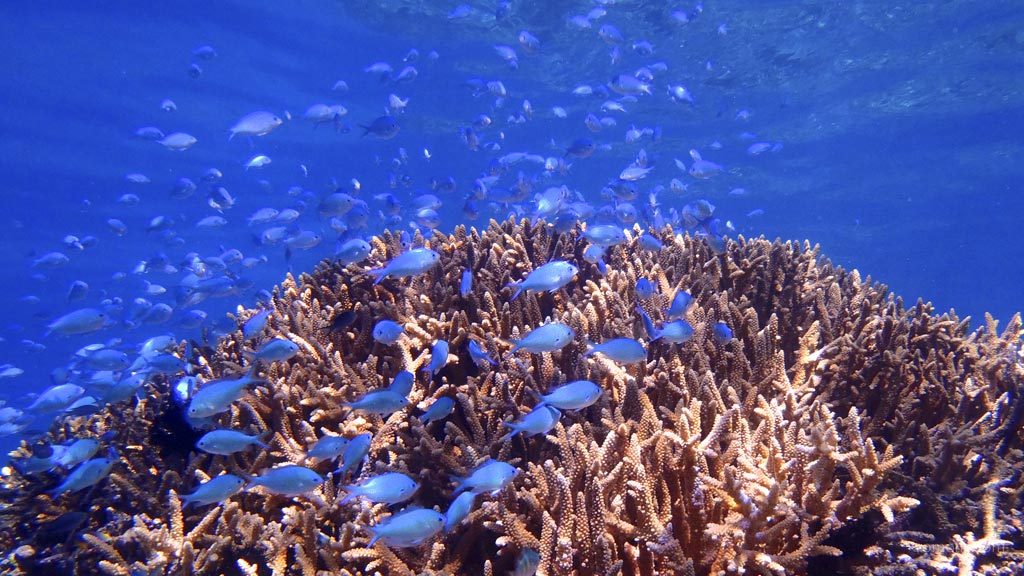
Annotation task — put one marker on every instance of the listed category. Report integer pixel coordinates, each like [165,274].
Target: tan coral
[836,432]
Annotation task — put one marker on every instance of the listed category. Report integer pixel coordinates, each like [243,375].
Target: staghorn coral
[837,430]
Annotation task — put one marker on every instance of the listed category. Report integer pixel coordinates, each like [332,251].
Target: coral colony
[788,418]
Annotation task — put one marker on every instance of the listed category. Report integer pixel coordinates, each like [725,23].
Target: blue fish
[527,563]
[438,357]
[549,277]
[594,254]
[623,350]
[540,420]
[226,442]
[214,490]
[644,288]
[276,350]
[466,286]
[328,448]
[478,354]
[409,527]
[409,263]
[547,338]
[605,235]
[216,396]
[575,395]
[402,383]
[288,480]
[680,303]
[491,476]
[355,452]
[581,148]
[383,127]
[440,409]
[389,488]
[87,474]
[649,242]
[387,332]
[382,402]
[460,507]
[352,251]
[676,332]
[723,333]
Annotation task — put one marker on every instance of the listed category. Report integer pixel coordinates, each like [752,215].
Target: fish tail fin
[593,348]
[350,495]
[518,287]
[261,440]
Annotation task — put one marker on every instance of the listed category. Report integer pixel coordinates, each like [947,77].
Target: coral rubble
[835,432]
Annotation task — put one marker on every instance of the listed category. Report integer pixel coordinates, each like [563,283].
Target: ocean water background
[900,123]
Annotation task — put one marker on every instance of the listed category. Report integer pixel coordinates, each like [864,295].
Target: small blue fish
[288,480]
[491,476]
[383,127]
[460,507]
[402,383]
[575,395]
[79,451]
[676,332]
[594,253]
[527,563]
[328,448]
[56,398]
[546,338]
[649,242]
[478,354]
[276,350]
[410,263]
[540,420]
[440,409]
[389,488]
[680,303]
[438,357]
[216,396]
[355,452]
[723,334]
[387,332]
[622,350]
[382,402]
[549,277]
[409,527]
[581,148]
[255,325]
[226,442]
[466,286]
[644,288]
[87,474]
[352,251]
[214,490]
[605,235]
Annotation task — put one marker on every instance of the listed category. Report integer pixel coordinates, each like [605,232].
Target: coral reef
[835,432]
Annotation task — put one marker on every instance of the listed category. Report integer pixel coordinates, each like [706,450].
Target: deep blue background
[900,126]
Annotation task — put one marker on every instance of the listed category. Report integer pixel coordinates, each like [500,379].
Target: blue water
[899,123]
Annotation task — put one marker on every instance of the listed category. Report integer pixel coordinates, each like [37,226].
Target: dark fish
[383,127]
[344,320]
[61,528]
[581,148]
